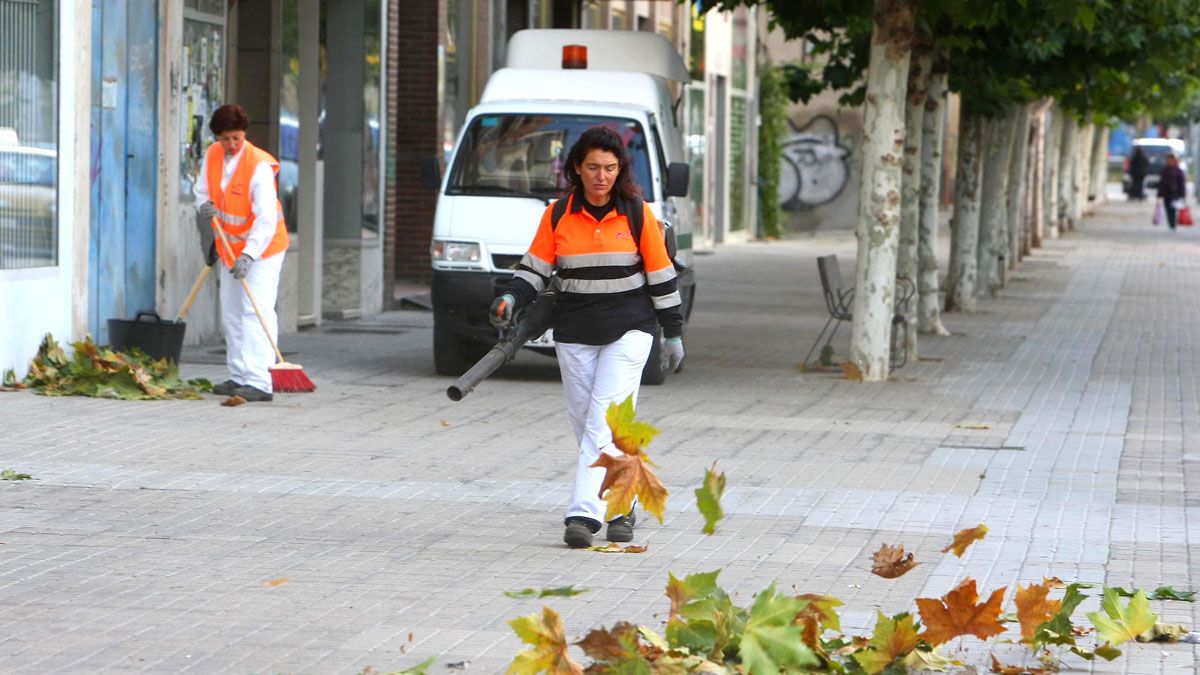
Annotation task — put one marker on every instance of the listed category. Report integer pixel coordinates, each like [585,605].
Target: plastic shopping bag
[1185,216]
[1158,213]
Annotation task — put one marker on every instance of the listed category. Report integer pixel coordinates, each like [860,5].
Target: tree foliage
[1097,57]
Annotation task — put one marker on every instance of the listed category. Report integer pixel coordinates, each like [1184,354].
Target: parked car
[1156,150]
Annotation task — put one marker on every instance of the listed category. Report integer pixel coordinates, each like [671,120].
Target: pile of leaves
[707,633]
[102,372]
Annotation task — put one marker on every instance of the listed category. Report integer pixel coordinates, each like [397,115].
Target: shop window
[28,134]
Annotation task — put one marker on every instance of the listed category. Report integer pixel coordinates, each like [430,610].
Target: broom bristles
[290,378]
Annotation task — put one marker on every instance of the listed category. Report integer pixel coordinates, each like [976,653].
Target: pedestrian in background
[245,204]
[1139,165]
[1172,188]
[612,291]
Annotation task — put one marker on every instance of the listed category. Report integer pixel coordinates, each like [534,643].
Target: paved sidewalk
[149,535]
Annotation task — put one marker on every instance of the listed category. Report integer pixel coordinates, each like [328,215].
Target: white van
[506,168]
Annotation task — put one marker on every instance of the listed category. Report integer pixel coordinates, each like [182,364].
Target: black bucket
[149,333]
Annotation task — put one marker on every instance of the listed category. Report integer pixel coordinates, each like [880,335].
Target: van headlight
[456,254]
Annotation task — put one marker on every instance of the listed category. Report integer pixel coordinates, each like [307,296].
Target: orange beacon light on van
[574,57]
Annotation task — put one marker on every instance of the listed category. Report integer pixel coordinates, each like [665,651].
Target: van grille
[505,261]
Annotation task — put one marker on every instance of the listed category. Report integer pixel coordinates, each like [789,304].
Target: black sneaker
[226,388]
[579,532]
[252,394]
[621,529]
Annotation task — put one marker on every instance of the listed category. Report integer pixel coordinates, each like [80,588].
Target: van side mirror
[431,173]
[678,176]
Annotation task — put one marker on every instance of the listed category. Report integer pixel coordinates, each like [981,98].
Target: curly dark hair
[601,138]
[230,116]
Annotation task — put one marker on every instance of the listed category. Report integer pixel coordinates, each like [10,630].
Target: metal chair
[838,301]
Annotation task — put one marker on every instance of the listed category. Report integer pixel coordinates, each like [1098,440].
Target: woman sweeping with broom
[237,199]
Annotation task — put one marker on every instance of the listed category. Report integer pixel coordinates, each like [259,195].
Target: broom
[285,377]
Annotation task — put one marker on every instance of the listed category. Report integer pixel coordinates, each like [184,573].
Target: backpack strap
[636,215]
[558,211]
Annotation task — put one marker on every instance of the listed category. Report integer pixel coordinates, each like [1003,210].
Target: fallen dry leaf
[628,474]
[893,638]
[445,423]
[1034,608]
[630,435]
[1054,582]
[619,646]
[695,585]
[964,538]
[1005,669]
[891,561]
[972,425]
[232,401]
[708,498]
[851,371]
[617,548]
[272,583]
[549,649]
[562,592]
[819,613]
[626,477]
[957,613]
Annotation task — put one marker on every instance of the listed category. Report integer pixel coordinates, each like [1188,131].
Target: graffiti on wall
[815,165]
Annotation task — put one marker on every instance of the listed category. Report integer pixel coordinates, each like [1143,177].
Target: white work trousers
[248,353]
[594,376]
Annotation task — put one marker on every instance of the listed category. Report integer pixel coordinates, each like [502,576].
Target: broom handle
[249,294]
[187,304]
[261,320]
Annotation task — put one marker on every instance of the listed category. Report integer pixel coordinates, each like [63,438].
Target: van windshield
[522,155]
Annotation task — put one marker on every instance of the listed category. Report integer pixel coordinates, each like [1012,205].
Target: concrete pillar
[310,194]
[352,274]
[343,139]
[259,73]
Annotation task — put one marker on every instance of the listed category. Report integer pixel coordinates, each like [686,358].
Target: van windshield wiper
[496,190]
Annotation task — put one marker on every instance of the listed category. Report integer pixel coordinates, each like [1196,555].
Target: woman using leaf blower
[615,282]
[236,193]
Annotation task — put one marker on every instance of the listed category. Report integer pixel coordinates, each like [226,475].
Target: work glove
[241,266]
[204,218]
[207,211]
[673,348]
[501,313]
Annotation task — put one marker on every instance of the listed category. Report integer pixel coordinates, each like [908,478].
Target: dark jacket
[1171,183]
[1139,164]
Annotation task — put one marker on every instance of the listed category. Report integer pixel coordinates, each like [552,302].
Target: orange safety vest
[235,213]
